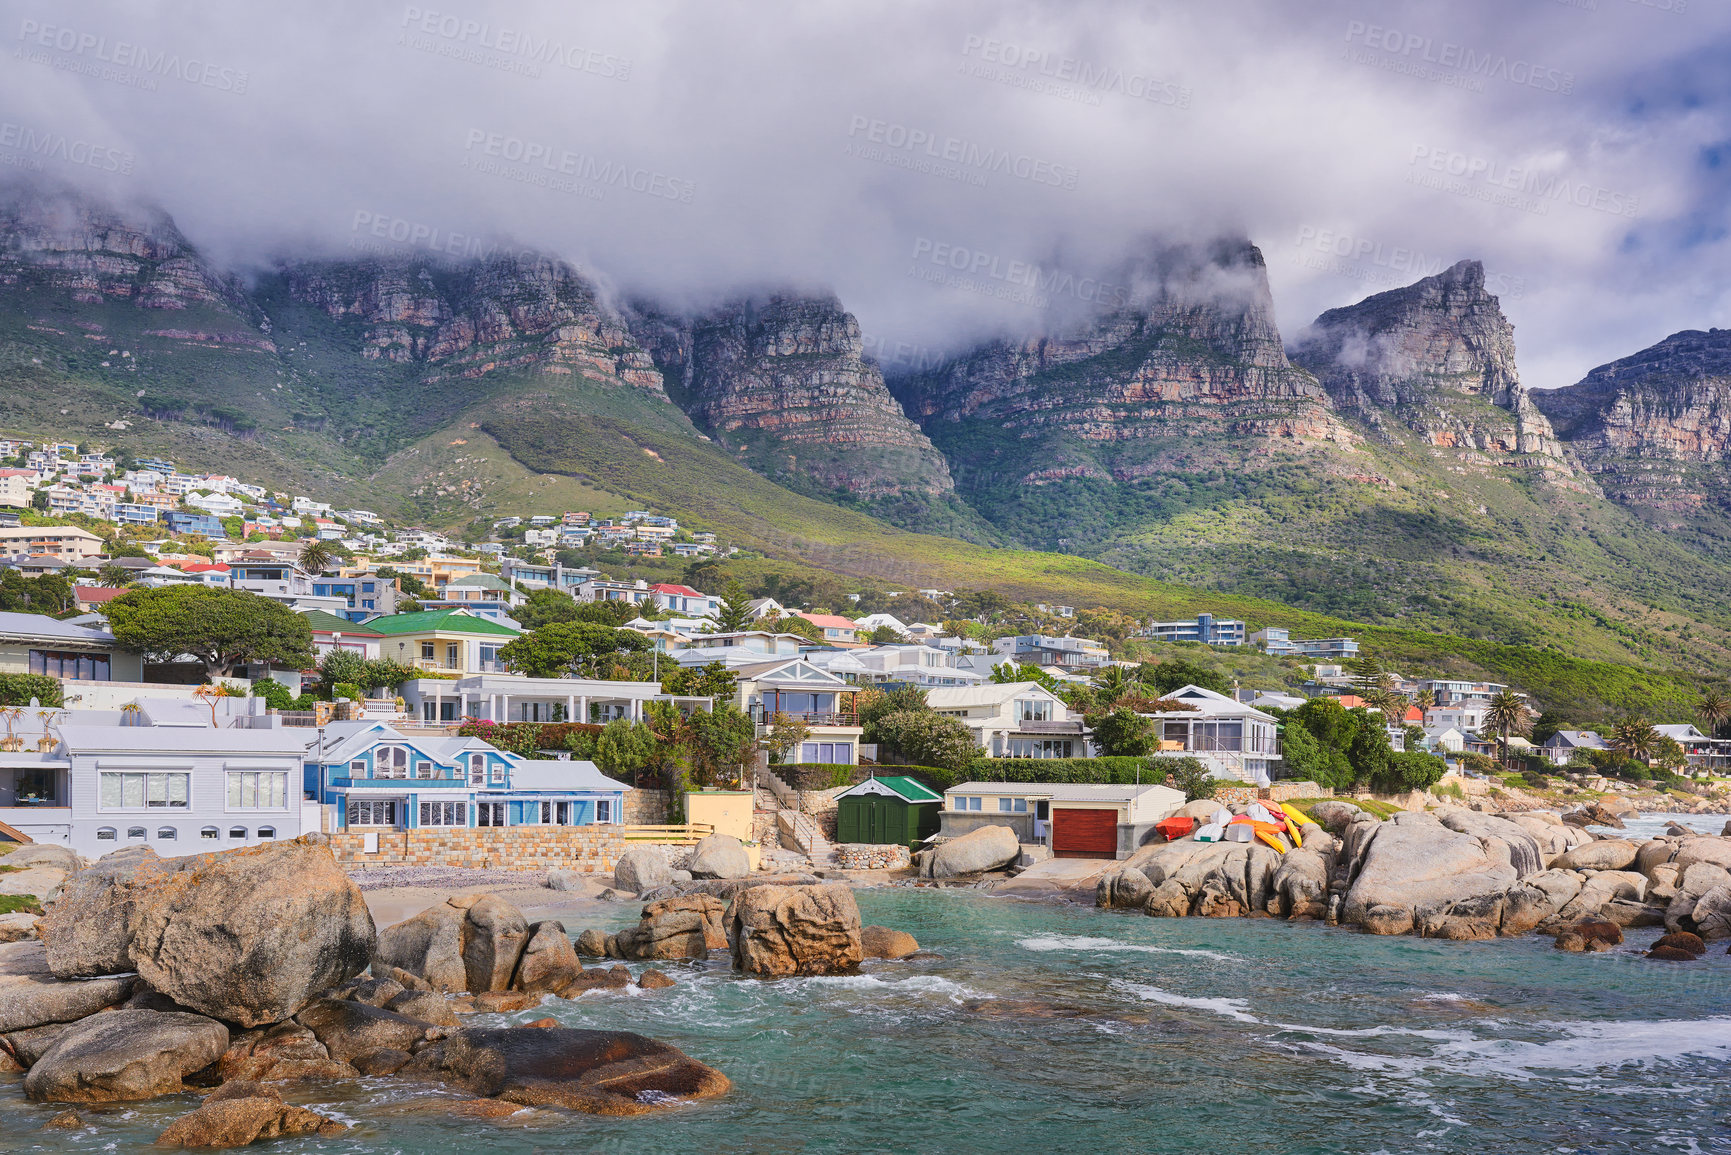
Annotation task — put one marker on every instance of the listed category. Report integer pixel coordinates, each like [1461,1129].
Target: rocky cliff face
[1194,355]
[784,382]
[472,319]
[71,246]
[1654,428]
[1437,357]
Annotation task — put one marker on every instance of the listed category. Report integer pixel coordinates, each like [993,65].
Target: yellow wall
[729,811]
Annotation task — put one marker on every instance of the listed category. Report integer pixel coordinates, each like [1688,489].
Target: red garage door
[1078,833]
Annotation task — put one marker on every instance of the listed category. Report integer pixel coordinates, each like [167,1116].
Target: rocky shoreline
[241,973]
[1448,873]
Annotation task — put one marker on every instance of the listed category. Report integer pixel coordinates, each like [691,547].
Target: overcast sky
[1581,149]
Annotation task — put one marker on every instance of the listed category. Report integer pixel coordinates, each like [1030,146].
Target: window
[498,773]
[237,832]
[358,768]
[165,833]
[372,812]
[69,664]
[1033,710]
[34,786]
[106,834]
[478,771]
[489,814]
[968,803]
[135,832]
[452,652]
[135,791]
[841,752]
[210,832]
[391,762]
[258,790]
[604,810]
[427,650]
[444,814]
[1038,748]
[1012,805]
[423,769]
[267,832]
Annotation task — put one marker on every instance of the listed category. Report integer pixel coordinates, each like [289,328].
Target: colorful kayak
[1273,840]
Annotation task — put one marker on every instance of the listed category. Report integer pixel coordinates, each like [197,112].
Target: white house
[161,776]
[1076,819]
[1014,719]
[1233,740]
[873,621]
[1448,738]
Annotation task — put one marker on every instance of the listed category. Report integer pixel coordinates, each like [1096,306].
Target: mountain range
[1382,469]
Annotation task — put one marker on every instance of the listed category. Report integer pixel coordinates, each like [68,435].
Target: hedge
[819,775]
[18,689]
[1116,771]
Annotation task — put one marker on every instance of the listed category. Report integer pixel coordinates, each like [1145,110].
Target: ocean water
[1041,1028]
[1644,826]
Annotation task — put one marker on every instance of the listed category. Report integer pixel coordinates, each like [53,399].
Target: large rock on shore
[1213,879]
[1602,854]
[89,929]
[642,868]
[548,962]
[604,1072]
[251,936]
[720,856]
[1500,838]
[1300,882]
[1127,889]
[31,996]
[988,848]
[1414,863]
[675,928]
[350,1030]
[239,1114]
[1716,851]
[125,1055]
[795,930]
[495,933]
[467,943]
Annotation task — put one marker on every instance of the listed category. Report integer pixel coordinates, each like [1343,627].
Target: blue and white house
[377,777]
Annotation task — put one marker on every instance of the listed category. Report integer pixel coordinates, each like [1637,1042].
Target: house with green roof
[333,633]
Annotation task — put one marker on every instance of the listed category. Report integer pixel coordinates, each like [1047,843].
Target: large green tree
[735,610]
[924,738]
[582,648]
[723,744]
[1176,673]
[1123,732]
[545,607]
[222,629]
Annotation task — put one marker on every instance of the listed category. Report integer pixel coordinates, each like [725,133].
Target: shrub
[1408,771]
[928,738]
[275,694]
[18,689]
[1449,790]
[1192,777]
[819,775]
[348,690]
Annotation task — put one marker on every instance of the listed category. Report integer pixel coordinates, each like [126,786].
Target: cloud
[686,150]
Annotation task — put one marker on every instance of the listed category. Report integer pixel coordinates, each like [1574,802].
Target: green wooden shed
[882,811]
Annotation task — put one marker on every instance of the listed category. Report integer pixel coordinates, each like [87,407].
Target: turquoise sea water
[1044,1028]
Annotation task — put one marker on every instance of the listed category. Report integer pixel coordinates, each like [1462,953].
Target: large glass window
[258,790]
[489,814]
[68,664]
[1039,748]
[129,791]
[1033,710]
[833,752]
[34,786]
[372,812]
[444,814]
[391,762]
[478,770]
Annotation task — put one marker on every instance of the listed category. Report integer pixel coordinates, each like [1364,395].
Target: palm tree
[1113,684]
[316,556]
[1425,700]
[1713,708]
[1635,739]
[114,576]
[1508,714]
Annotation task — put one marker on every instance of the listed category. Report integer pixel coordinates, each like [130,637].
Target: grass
[20,904]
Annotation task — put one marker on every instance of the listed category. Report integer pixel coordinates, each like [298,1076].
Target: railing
[782,791]
[826,719]
[800,827]
[1044,726]
[684,834]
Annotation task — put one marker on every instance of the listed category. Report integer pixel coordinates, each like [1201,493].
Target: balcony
[1047,726]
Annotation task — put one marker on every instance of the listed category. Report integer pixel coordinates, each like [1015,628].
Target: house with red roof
[837,630]
[684,601]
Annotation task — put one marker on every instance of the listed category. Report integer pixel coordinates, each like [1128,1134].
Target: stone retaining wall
[645,807]
[865,856]
[591,849]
